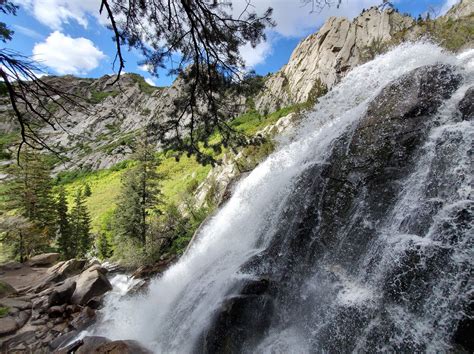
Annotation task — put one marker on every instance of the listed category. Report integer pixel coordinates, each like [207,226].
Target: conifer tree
[87,190]
[64,239]
[140,196]
[80,226]
[29,196]
[103,247]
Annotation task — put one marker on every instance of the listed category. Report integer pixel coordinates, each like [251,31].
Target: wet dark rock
[466,106]
[465,328]
[61,294]
[95,303]
[332,218]
[56,311]
[62,340]
[83,319]
[256,287]
[70,309]
[241,321]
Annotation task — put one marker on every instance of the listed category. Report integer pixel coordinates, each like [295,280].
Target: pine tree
[140,196]
[64,239]
[87,190]
[29,196]
[103,247]
[80,226]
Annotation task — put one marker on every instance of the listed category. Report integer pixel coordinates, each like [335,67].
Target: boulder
[67,269]
[56,311]
[90,343]
[8,325]
[240,321]
[61,294]
[88,285]
[61,341]
[121,347]
[44,259]
[84,319]
[60,272]
[6,289]
[97,267]
[95,303]
[19,304]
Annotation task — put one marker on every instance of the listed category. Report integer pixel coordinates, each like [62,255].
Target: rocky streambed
[46,304]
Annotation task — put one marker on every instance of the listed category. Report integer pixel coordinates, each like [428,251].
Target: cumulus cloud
[294,19]
[55,13]
[257,55]
[145,67]
[67,55]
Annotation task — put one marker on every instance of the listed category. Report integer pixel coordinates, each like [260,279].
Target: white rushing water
[179,304]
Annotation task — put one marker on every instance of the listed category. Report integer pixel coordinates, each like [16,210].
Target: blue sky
[69,37]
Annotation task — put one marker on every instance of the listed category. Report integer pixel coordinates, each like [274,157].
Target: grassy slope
[105,185]
[180,176]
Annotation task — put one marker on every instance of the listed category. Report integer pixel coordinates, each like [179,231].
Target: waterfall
[331,291]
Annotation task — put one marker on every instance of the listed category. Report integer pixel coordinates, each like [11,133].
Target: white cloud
[54,13]
[293,19]
[257,55]
[145,67]
[150,81]
[67,55]
[27,32]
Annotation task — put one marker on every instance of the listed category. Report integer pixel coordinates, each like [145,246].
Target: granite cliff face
[462,9]
[324,57]
[100,135]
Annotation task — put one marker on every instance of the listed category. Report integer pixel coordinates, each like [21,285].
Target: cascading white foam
[179,304]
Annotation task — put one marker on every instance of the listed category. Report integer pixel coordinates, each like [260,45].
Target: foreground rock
[102,345]
[91,283]
[52,313]
[6,289]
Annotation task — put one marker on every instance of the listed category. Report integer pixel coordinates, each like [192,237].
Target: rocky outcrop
[325,57]
[92,282]
[6,289]
[45,259]
[464,8]
[64,303]
[321,225]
